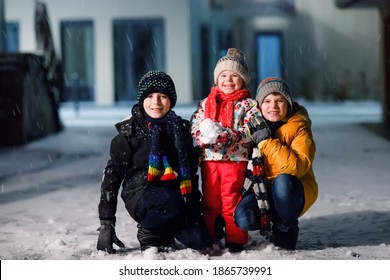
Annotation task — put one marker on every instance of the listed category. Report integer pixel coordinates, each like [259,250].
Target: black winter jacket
[128,164]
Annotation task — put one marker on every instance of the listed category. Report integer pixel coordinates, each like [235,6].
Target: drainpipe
[385,15]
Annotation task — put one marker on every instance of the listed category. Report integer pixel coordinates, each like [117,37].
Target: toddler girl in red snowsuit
[218,128]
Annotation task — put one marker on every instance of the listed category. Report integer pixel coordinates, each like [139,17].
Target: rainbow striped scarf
[159,166]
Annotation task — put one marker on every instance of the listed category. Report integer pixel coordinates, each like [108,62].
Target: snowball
[209,131]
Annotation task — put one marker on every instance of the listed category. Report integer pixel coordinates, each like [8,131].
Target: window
[138,47]
[77,57]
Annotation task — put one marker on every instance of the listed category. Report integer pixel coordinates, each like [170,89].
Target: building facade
[322,51]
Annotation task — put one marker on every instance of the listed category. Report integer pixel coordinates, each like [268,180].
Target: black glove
[257,129]
[107,237]
[192,211]
[188,199]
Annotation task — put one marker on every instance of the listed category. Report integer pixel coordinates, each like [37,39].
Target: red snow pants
[222,182]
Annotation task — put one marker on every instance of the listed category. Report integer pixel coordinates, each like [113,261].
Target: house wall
[102,12]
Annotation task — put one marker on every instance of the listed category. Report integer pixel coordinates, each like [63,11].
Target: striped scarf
[159,166]
[254,180]
[219,106]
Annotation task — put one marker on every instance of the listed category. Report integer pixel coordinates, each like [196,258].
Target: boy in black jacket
[154,160]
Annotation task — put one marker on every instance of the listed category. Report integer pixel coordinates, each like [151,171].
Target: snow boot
[285,237]
[234,247]
[148,239]
[219,228]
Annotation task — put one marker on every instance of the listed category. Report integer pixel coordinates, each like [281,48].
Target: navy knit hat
[273,85]
[156,81]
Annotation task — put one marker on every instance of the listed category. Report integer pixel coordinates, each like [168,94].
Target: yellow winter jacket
[291,150]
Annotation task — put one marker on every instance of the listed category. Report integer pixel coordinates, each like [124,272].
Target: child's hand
[223,139]
[228,137]
[257,129]
[107,237]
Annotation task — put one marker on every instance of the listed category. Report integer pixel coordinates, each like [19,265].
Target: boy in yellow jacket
[288,157]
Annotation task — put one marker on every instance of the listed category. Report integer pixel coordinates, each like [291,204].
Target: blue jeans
[286,199]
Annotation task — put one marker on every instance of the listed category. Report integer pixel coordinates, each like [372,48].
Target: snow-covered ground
[49,192]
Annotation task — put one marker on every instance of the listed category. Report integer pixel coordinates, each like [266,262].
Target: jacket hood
[300,114]
[124,125]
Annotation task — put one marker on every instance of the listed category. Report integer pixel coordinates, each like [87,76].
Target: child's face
[229,82]
[274,107]
[157,105]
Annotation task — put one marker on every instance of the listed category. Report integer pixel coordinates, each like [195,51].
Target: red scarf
[220,106]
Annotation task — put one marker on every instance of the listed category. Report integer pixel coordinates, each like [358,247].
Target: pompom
[235,53]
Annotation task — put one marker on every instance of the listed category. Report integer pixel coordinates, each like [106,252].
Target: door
[11,40]
[269,55]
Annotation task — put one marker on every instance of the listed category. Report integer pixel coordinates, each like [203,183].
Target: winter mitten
[223,139]
[257,129]
[209,131]
[107,237]
[228,137]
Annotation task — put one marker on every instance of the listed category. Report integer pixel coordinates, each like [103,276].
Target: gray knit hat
[234,60]
[273,85]
[156,81]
